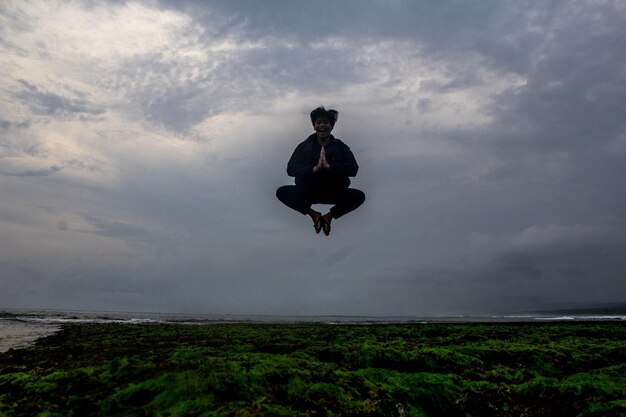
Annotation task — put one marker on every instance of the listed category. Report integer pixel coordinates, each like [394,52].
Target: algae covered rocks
[478,369]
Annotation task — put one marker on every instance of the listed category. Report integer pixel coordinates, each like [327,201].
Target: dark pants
[300,198]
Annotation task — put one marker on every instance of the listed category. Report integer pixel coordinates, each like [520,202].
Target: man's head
[323,121]
[330,115]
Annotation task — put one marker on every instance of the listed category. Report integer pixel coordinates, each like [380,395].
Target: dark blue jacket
[307,155]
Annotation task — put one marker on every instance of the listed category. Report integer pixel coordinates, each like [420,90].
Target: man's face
[322,127]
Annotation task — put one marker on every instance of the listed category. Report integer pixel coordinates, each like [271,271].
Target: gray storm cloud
[141,145]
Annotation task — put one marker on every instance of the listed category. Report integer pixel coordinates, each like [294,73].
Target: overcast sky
[141,144]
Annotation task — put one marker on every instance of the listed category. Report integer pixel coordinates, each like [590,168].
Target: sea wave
[20,328]
[54,317]
[584,318]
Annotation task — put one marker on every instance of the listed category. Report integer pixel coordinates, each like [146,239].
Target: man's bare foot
[318,220]
[326,219]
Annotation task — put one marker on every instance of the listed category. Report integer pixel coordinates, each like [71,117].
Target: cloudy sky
[141,144]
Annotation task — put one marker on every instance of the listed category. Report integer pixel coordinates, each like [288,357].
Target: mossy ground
[473,369]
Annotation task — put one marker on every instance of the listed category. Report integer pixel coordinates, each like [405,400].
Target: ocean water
[20,328]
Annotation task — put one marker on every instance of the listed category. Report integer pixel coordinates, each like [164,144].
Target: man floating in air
[321,165]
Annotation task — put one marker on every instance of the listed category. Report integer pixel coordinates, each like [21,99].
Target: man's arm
[347,165]
[298,166]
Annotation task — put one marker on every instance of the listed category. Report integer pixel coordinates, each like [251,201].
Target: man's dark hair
[329,114]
